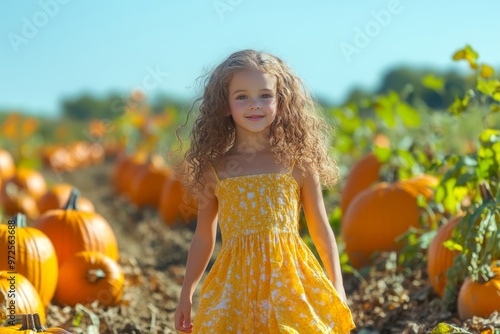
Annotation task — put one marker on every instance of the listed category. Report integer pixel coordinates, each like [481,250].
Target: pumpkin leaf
[408,114]
[467,54]
[385,110]
[487,71]
[488,87]
[383,154]
[432,82]
[459,105]
[453,246]
[444,328]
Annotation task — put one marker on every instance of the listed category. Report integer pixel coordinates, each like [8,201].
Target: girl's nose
[254,105]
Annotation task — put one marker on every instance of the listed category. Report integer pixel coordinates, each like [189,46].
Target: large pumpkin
[29,324]
[124,170]
[362,175]
[146,185]
[175,205]
[57,196]
[479,298]
[30,252]
[72,231]
[90,276]
[16,290]
[440,258]
[376,218]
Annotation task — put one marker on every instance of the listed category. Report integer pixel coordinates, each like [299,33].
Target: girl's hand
[182,316]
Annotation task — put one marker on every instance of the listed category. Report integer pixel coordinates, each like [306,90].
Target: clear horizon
[57,48]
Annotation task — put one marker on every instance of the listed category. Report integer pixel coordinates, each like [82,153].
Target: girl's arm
[200,251]
[320,230]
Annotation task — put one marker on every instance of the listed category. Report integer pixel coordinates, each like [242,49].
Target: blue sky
[51,49]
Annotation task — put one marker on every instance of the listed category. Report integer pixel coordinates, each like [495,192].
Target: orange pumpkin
[424,184]
[124,170]
[146,185]
[440,258]
[29,252]
[19,296]
[375,218]
[362,175]
[15,200]
[479,298]
[90,276]
[57,196]
[29,324]
[80,153]
[72,231]
[175,205]
[96,153]
[7,165]
[21,191]
[30,181]
[58,158]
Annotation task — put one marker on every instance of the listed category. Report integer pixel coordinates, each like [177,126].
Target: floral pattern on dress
[265,279]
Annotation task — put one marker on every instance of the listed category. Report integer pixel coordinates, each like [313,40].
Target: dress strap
[291,166]
[215,172]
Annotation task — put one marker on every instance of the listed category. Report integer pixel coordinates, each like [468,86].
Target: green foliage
[472,183]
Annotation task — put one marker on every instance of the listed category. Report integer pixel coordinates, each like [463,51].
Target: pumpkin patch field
[96,225]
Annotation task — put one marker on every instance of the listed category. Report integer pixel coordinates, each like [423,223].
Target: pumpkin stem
[392,174]
[38,322]
[32,322]
[20,220]
[485,191]
[95,275]
[71,204]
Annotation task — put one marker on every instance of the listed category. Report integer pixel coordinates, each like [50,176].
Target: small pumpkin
[480,298]
[13,200]
[146,185]
[16,191]
[376,218]
[90,276]
[72,231]
[58,158]
[175,204]
[57,196]
[29,323]
[440,258]
[15,289]
[31,254]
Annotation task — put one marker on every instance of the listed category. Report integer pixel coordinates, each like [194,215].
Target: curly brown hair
[298,132]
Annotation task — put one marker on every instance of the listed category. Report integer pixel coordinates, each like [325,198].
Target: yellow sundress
[265,279]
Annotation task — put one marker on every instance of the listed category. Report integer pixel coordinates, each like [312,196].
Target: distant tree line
[87,106]
[403,78]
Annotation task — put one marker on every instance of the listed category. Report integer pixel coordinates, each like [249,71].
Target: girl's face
[252,100]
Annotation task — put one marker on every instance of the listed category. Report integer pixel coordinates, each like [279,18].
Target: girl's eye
[241,97]
[267,96]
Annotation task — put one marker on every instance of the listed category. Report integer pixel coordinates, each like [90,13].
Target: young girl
[257,154]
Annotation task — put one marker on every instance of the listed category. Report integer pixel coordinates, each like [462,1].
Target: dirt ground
[153,257]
